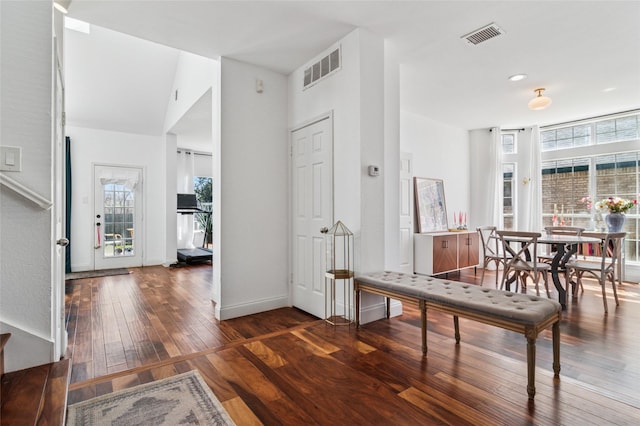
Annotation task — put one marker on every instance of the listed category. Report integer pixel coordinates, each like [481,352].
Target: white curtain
[532,182]
[496,178]
[185,168]
[128,178]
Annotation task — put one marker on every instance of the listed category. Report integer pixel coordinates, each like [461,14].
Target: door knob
[324,230]
[63,242]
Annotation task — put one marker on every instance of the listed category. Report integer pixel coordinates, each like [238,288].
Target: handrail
[27,193]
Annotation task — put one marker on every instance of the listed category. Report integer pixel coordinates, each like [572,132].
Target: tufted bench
[522,313]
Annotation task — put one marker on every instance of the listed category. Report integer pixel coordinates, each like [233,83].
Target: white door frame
[406,209]
[58,229]
[326,116]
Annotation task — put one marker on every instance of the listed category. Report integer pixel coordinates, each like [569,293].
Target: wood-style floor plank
[288,367]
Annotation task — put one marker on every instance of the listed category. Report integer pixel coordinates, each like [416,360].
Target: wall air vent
[483,34]
[323,68]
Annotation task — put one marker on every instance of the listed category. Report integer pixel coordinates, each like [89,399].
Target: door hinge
[64,119]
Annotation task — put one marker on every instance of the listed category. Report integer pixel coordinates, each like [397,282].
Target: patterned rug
[184,399]
[94,274]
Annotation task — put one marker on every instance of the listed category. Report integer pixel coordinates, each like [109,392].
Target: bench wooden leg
[388,308]
[423,323]
[555,330]
[456,326]
[531,363]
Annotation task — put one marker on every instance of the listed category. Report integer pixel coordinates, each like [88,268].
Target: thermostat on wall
[374,171]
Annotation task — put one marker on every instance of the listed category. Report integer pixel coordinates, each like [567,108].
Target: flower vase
[615,221]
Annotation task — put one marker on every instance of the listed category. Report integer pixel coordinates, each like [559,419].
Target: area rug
[95,274]
[184,399]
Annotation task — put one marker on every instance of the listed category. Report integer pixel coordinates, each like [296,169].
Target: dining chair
[558,230]
[491,250]
[604,269]
[523,260]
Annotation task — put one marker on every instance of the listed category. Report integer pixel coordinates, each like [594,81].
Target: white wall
[26,244]
[355,94]
[91,146]
[439,151]
[194,76]
[372,150]
[253,191]
[171,202]
[391,168]
[339,93]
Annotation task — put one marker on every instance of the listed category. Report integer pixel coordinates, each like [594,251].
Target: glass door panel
[117,217]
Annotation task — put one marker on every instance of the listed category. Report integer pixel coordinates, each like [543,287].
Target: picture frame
[431,207]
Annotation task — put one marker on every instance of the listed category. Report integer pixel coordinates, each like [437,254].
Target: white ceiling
[586,54]
[117,82]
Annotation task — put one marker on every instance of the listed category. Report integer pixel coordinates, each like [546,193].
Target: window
[618,175]
[508,172]
[202,186]
[118,205]
[508,143]
[564,184]
[568,137]
[588,169]
[617,129]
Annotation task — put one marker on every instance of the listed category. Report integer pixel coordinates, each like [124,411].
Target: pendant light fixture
[540,101]
[62,5]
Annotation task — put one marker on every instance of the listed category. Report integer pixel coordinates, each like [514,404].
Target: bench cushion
[517,307]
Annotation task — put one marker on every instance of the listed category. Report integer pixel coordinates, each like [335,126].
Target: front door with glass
[117,217]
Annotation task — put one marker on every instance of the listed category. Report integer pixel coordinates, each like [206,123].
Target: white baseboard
[252,307]
[25,349]
[375,308]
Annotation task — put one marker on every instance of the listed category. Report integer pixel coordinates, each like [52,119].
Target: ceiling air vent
[321,69]
[483,34]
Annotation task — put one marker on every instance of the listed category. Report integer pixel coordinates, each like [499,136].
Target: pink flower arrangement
[615,204]
[587,201]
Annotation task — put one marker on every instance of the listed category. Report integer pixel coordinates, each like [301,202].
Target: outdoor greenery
[202,186]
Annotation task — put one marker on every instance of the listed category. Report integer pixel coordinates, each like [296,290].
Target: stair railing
[25,192]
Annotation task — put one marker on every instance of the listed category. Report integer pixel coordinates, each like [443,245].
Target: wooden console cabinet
[442,252]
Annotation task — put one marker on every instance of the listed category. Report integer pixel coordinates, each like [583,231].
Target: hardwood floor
[288,367]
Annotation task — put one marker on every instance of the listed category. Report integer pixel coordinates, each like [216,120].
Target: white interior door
[59,211]
[117,217]
[312,181]
[406,213]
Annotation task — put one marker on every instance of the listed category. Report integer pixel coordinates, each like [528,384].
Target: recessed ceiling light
[517,77]
[609,89]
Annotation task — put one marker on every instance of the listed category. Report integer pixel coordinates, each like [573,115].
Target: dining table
[566,246]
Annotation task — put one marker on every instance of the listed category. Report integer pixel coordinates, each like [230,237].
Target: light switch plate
[10,159]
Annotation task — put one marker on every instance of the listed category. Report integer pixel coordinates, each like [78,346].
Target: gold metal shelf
[339,274]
